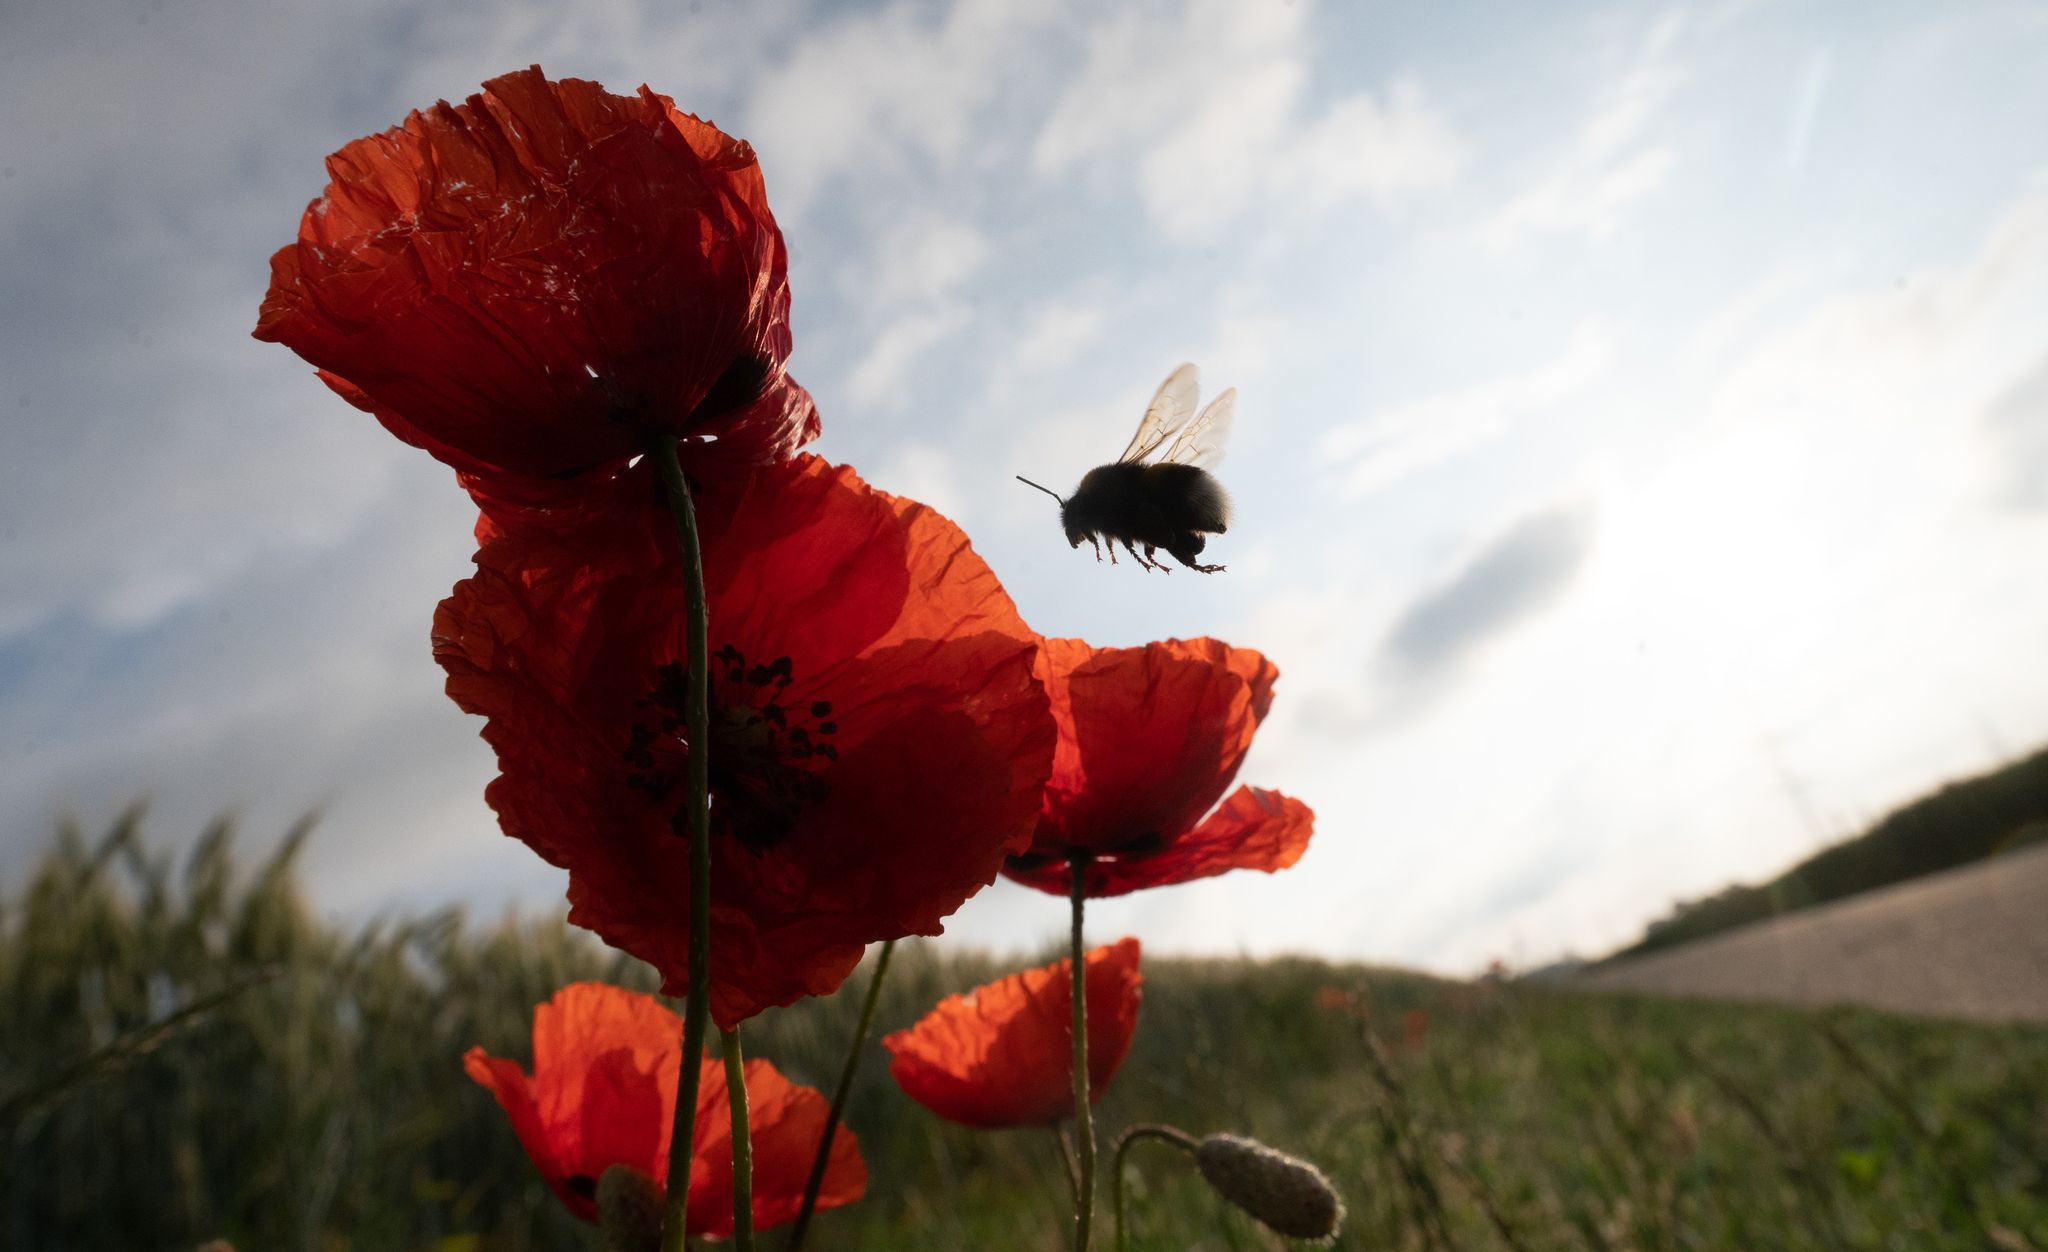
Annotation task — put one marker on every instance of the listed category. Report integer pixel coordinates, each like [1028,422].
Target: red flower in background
[1149,739]
[1003,1054]
[878,742]
[1414,1029]
[529,284]
[603,1093]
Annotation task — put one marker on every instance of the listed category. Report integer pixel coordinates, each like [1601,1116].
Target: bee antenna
[1047,490]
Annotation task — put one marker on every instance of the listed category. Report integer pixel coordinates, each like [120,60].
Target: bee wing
[1201,443]
[1168,412]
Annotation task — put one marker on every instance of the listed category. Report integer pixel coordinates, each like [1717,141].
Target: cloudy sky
[1641,464]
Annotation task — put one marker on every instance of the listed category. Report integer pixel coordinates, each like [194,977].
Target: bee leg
[1098,549]
[1185,554]
[1132,548]
[1152,555]
[1112,552]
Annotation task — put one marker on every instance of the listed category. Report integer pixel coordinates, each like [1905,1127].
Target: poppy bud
[628,1210]
[1286,1193]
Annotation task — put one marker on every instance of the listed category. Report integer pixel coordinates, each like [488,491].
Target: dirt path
[1969,943]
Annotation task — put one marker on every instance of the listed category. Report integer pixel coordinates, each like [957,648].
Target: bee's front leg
[1098,549]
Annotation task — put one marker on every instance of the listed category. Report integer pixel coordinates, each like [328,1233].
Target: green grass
[186,1053]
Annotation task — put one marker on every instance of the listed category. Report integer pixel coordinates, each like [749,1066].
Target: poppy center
[767,756]
[1137,846]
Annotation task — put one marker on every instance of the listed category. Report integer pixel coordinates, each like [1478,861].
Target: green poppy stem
[742,1143]
[681,1148]
[1084,1119]
[1059,1138]
[1165,1134]
[816,1181]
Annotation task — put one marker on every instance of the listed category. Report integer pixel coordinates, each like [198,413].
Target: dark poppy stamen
[760,784]
[1150,841]
[739,385]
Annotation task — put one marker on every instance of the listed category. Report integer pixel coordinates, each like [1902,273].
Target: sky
[1641,465]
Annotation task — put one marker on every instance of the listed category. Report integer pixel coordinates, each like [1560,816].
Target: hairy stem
[1059,1138]
[1149,1130]
[742,1143]
[839,1094]
[675,1223]
[1084,1120]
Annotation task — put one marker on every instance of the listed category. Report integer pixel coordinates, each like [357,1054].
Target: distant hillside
[1963,822]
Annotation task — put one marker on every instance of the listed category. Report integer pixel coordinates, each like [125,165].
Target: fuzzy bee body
[1172,504]
[1164,507]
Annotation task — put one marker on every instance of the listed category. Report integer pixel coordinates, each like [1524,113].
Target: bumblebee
[1171,504]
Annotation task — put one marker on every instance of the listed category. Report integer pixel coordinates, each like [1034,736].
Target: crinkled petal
[875,610]
[1254,829]
[504,1079]
[786,1122]
[1150,738]
[602,1091]
[1002,1055]
[529,284]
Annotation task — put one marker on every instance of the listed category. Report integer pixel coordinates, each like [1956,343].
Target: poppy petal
[786,1122]
[1149,740]
[603,1093]
[530,283]
[1150,737]
[504,1079]
[863,654]
[602,1089]
[1254,829]
[1002,1055]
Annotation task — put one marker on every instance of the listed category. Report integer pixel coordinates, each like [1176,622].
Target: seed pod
[628,1210]
[1284,1192]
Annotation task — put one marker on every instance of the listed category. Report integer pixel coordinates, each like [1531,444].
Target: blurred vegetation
[187,1053]
[1963,822]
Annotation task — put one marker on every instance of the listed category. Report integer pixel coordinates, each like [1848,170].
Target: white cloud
[1054,334]
[1801,609]
[1818,574]
[1209,106]
[1389,448]
[881,375]
[919,261]
[1616,158]
[908,288]
[868,94]
[1363,147]
[1806,99]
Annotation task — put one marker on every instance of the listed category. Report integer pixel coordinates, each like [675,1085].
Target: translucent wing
[1201,443]
[1169,410]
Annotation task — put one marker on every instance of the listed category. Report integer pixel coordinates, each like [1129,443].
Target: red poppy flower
[603,1093]
[1414,1029]
[1003,1054]
[878,743]
[1149,739]
[786,1122]
[530,283]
